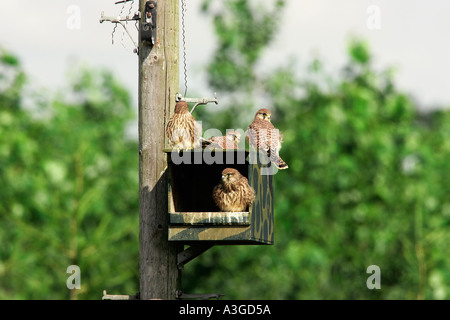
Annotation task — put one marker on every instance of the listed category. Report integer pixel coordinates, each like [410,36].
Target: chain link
[115,25]
[126,22]
[183,30]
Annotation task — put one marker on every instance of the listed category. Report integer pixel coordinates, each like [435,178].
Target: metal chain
[183,12]
[131,7]
[115,26]
[126,22]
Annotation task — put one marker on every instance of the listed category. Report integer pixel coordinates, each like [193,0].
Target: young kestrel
[182,130]
[233,193]
[230,141]
[263,136]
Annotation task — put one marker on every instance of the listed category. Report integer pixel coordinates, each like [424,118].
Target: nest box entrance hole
[192,184]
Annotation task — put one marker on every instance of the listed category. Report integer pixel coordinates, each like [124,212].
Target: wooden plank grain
[158,84]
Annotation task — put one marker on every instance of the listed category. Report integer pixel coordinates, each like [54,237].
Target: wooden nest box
[194,217]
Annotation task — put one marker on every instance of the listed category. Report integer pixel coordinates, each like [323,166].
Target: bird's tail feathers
[278,162]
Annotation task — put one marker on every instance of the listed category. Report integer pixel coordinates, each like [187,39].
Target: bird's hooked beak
[225,176]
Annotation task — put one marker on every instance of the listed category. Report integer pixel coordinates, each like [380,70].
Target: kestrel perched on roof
[229,141]
[182,129]
[263,136]
[233,193]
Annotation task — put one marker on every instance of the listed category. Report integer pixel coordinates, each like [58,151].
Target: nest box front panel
[262,208]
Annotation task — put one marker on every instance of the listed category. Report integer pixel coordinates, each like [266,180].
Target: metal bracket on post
[119,19]
[119,296]
[190,254]
[148,32]
[180,295]
[197,101]
[184,257]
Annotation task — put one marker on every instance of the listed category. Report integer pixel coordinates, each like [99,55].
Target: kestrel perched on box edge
[229,141]
[263,136]
[182,129]
[233,193]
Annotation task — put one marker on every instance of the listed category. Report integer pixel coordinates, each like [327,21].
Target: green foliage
[243,29]
[366,185]
[359,51]
[69,191]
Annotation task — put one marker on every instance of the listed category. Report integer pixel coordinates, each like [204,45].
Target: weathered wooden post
[158,85]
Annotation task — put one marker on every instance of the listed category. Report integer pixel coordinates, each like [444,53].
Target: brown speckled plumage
[233,193]
[263,136]
[230,141]
[182,130]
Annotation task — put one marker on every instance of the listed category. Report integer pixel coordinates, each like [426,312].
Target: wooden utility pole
[158,85]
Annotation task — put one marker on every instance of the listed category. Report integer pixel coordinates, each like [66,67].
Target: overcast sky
[412,35]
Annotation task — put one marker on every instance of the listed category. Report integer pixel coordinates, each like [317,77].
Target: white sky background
[414,37]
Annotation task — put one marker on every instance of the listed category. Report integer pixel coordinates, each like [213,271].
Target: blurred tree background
[366,183]
[69,187]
